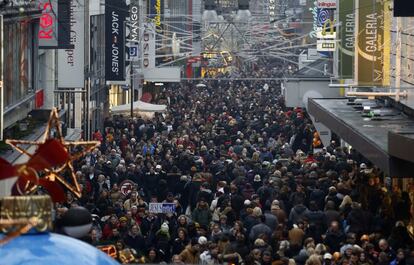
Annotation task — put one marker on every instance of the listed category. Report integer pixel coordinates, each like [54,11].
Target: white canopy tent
[139,106]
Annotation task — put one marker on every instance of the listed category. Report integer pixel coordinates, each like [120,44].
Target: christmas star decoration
[53,174]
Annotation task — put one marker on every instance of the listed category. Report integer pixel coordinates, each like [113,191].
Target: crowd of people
[247,184]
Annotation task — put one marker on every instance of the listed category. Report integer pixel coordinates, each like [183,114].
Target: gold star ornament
[75,150]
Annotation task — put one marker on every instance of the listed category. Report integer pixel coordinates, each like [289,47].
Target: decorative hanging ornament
[52,158]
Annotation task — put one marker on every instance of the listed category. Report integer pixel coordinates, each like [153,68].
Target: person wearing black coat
[400,238]
[316,219]
[240,245]
[357,220]
[135,240]
[237,200]
[334,237]
[180,242]
[331,214]
[194,189]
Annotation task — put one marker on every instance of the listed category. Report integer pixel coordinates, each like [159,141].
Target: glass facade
[18,61]
[99,90]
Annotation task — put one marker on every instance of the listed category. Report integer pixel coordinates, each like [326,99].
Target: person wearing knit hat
[165,228]
[327,257]
[202,240]
[163,238]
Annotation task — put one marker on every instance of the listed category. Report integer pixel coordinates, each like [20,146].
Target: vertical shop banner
[326,30]
[64,24]
[54,24]
[133,36]
[373,45]
[48,31]
[148,46]
[346,38]
[1,77]
[156,10]
[115,16]
[71,62]
[134,21]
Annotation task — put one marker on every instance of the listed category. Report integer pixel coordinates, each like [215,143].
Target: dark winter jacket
[297,213]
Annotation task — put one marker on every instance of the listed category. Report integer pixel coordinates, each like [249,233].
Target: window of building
[17,62]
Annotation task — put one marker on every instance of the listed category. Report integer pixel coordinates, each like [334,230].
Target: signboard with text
[127,185]
[326,42]
[71,62]
[373,45]
[48,33]
[326,31]
[115,16]
[54,24]
[134,21]
[328,4]
[161,207]
[1,78]
[148,46]
[346,45]
[156,11]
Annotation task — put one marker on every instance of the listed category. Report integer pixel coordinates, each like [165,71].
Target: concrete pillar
[78,107]
[47,73]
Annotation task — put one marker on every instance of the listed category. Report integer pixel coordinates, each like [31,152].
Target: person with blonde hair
[314,260]
[346,201]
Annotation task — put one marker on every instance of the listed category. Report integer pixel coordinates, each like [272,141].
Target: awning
[379,138]
[139,106]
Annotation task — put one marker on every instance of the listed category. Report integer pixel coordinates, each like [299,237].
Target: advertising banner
[54,24]
[48,33]
[127,186]
[115,15]
[373,44]
[156,10]
[328,4]
[1,78]
[71,62]
[326,41]
[346,43]
[326,33]
[148,46]
[134,21]
[65,11]
[324,15]
[161,207]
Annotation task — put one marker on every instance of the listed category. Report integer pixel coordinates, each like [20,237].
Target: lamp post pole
[132,87]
